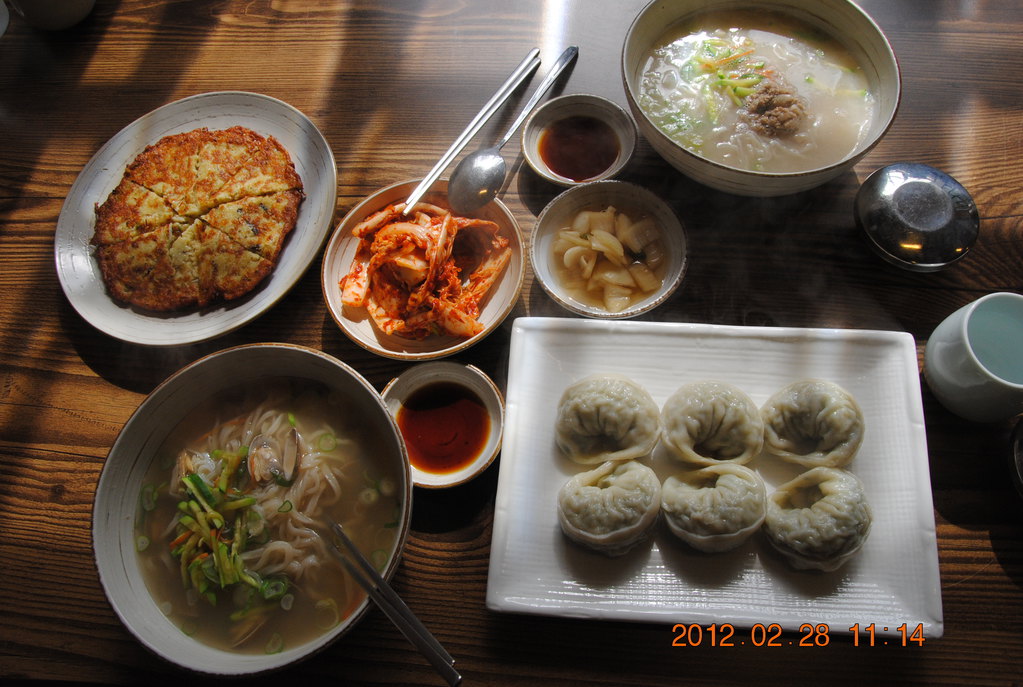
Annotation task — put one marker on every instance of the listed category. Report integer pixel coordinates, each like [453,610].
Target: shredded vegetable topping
[215,526]
[729,67]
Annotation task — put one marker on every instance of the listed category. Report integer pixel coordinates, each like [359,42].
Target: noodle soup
[757,91]
[230,511]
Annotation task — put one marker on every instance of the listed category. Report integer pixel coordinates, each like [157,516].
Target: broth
[274,582]
[707,83]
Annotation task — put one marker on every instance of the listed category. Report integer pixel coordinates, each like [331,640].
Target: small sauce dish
[451,418]
[579,138]
[635,202]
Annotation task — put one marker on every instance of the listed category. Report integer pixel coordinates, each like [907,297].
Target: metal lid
[916,216]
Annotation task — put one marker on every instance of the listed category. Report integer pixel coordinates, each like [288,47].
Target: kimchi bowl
[426,284]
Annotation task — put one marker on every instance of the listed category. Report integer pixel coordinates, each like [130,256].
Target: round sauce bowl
[451,418]
[578,138]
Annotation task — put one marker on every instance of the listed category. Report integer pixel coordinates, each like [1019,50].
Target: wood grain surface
[390,84]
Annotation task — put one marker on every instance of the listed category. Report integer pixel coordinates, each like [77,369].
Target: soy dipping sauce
[445,426]
[579,147]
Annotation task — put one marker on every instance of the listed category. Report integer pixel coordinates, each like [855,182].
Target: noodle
[239,550]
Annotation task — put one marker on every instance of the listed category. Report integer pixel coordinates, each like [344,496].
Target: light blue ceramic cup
[974,359]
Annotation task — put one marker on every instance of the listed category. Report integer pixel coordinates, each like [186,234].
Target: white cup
[52,15]
[974,359]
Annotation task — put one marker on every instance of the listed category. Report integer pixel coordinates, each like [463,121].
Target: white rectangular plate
[893,580]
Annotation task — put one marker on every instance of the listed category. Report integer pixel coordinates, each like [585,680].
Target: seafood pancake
[197,216]
[130,210]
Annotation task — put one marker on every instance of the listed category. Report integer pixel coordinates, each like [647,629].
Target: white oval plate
[79,272]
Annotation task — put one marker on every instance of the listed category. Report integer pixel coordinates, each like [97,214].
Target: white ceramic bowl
[840,18]
[416,378]
[120,484]
[356,323]
[635,201]
[577,105]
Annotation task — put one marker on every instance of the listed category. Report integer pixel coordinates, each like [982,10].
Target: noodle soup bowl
[123,555]
[841,20]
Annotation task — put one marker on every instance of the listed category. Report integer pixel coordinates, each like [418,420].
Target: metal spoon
[525,68]
[480,175]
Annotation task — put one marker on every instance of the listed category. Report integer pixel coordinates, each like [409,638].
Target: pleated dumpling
[706,423]
[606,417]
[610,508]
[715,508]
[813,423]
[818,520]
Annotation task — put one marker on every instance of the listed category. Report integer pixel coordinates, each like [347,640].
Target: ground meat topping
[774,109]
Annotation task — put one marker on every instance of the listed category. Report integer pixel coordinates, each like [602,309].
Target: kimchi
[426,272]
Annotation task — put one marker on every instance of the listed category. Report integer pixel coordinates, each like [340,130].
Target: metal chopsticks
[392,605]
[525,68]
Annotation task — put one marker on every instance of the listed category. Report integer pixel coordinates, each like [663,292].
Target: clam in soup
[230,510]
[757,91]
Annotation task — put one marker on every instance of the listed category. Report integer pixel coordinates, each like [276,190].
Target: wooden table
[390,84]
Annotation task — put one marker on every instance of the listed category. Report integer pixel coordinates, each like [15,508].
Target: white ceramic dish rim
[114,510]
[584,104]
[603,193]
[534,569]
[418,376]
[824,172]
[337,260]
[78,270]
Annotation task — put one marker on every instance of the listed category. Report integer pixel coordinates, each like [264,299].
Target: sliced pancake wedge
[259,223]
[129,211]
[219,156]
[229,268]
[269,169]
[147,272]
[167,168]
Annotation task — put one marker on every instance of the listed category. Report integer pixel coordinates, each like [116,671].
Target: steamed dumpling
[714,508]
[610,508]
[813,423]
[706,423]
[606,417]
[818,520]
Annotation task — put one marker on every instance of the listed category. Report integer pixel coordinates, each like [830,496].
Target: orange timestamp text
[808,635]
